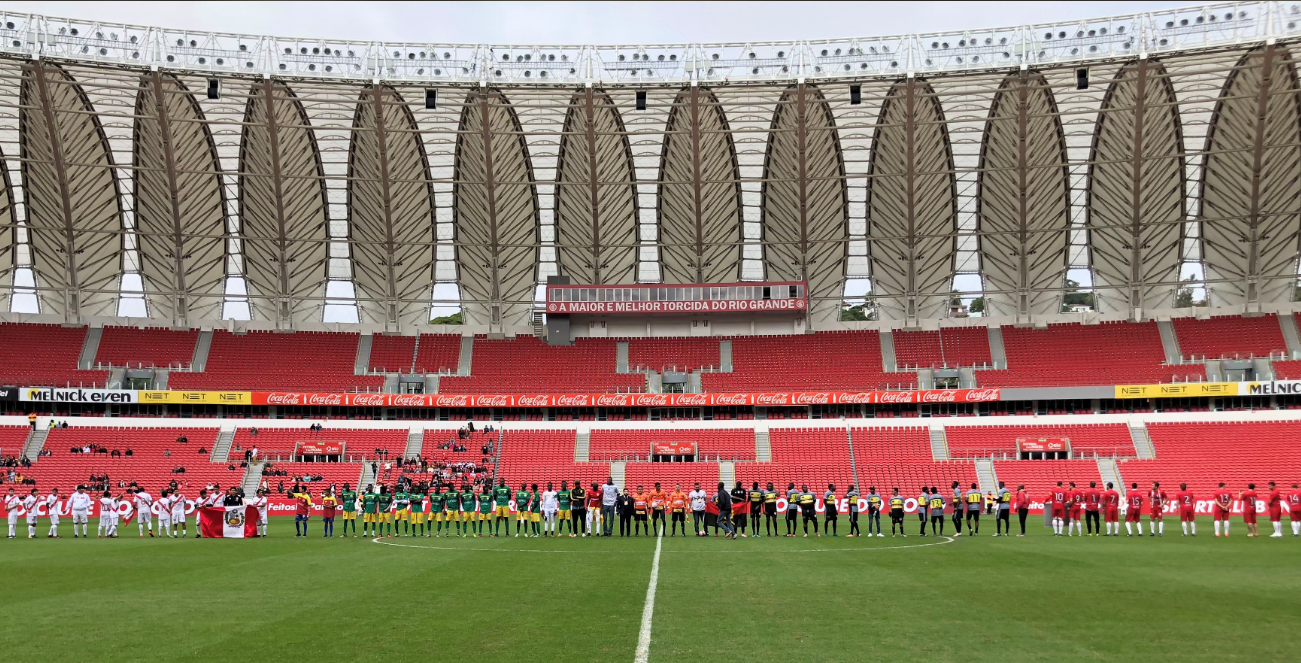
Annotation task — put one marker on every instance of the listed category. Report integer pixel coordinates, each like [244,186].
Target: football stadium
[635,353]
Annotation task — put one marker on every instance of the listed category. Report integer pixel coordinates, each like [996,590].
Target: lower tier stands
[156,454]
[848,360]
[671,474]
[1038,476]
[711,444]
[315,477]
[528,365]
[273,443]
[1081,355]
[150,347]
[813,456]
[33,355]
[978,441]
[890,457]
[321,361]
[12,440]
[1204,454]
[544,455]
[441,445]
[1230,337]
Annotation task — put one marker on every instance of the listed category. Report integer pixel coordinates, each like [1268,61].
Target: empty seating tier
[950,347]
[674,354]
[528,365]
[1038,476]
[33,355]
[1102,439]
[151,347]
[322,361]
[438,353]
[848,360]
[316,477]
[1230,337]
[1203,454]
[392,354]
[1083,355]
[155,454]
[900,457]
[273,443]
[544,455]
[671,474]
[711,444]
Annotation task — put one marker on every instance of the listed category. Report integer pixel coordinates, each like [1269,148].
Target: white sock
[1278,527]
[1217,528]
[1185,526]
[1193,526]
[31,531]
[1161,524]
[13,529]
[1296,528]
[142,528]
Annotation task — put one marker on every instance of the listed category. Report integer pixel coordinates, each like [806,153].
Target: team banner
[197,397]
[77,395]
[628,400]
[228,522]
[1183,390]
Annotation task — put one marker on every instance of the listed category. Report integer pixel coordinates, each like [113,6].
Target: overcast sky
[582,23]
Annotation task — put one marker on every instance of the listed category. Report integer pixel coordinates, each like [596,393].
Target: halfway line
[644,638]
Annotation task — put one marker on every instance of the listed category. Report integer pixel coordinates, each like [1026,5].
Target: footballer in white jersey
[164,503]
[12,504]
[30,503]
[108,515]
[52,509]
[144,515]
[178,512]
[79,502]
[261,503]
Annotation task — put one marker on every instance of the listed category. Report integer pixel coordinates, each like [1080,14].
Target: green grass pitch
[773,599]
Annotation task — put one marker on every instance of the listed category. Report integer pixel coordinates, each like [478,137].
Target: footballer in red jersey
[1187,509]
[1133,509]
[1294,506]
[1220,510]
[1057,499]
[1092,509]
[1111,509]
[1274,506]
[1076,505]
[1156,500]
[1248,498]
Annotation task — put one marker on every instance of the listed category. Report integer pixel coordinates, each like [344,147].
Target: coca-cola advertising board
[768,399]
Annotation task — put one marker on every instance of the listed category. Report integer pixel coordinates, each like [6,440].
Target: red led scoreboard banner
[775,399]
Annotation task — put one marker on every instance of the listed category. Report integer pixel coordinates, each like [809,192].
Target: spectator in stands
[253,432]
[182,439]
[167,453]
[85,449]
[31,419]
[64,424]
[115,454]
[128,453]
[254,455]
[74,450]
[280,487]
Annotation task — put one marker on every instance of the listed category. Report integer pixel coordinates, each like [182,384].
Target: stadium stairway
[221,450]
[582,446]
[853,466]
[1142,441]
[618,473]
[727,473]
[362,361]
[252,478]
[199,362]
[1110,472]
[367,475]
[939,443]
[762,446]
[415,443]
[467,356]
[35,442]
[985,476]
[89,348]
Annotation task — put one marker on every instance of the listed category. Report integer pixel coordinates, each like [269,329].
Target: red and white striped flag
[228,522]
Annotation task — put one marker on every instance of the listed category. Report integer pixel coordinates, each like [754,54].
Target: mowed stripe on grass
[1032,599]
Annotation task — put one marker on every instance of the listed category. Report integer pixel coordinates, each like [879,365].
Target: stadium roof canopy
[196,176]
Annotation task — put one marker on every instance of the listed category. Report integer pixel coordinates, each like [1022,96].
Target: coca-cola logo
[495,400]
[855,397]
[371,400]
[692,399]
[895,397]
[572,400]
[283,399]
[982,395]
[410,400]
[942,396]
[772,399]
[820,398]
[612,400]
[652,400]
[325,399]
[451,401]
[532,400]
[731,399]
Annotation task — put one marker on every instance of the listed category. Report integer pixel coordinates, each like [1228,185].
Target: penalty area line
[648,611]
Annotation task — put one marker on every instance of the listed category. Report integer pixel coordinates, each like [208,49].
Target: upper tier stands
[1084,355]
[133,347]
[155,453]
[438,353]
[302,361]
[950,347]
[528,365]
[900,457]
[1204,454]
[618,444]
[1103,439]
[33,355]
[1287,370]
[392,354]
[1230,337]
[676,354]
[849,360]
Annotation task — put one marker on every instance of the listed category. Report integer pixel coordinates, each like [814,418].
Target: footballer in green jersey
[348,500]
[369,512]
[501,506]
[522,509]
[565,501]
[385,514]
[535,510]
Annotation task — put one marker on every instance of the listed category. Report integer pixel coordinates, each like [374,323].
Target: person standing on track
[370,512]
[578,508]
[1134,509]
[923,506]
[13,503]
[896,512]
[974,500]
[79,503]
[792,508]
[521,509]
[626,506]
[1248,498]
[330,505]
[52,510]
[609,500]
[1022,507]
[658,501]
[1222,507]
[1111,509]
[1004,502]
[851,496]
[1274,506]
[594,510]
[164,503]
[260,503]
[348,502]
[501,508]
[1056,504]
[303,510]
[550,505]
[723,500]
[1187,509]
[564,503]
[1156,500]
[937,511]
[107,516]
[1092,509]
[698,498]
[1073,510]
[756,507]
[874,504]
[640,503]
[677,510]
[144,502]
[739,496]
[808,509]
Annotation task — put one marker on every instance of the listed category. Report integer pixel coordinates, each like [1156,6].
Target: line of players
[1068,503]
[171,506]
